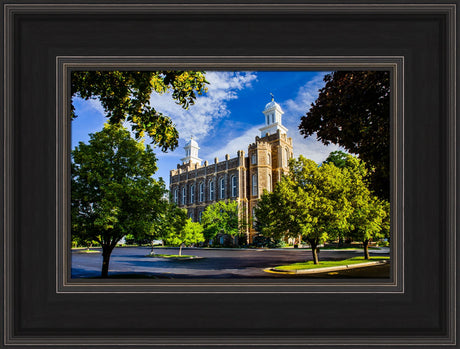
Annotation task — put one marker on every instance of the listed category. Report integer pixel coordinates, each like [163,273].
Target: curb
[327,269]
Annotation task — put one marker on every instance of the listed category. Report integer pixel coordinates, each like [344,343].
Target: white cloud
[200,119]
[83,106]
[311,148]
[295,108]
[96,105]
[239,143]
[306,95]
[308,147]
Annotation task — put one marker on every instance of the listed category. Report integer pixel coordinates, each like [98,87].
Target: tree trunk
[180,250]
[314,251]
[106,251]
[366,249]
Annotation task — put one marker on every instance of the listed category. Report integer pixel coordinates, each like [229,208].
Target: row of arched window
[201,191]
[221,193]
[287,156]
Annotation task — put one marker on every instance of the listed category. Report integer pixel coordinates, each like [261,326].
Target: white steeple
[191,152]
[273,113]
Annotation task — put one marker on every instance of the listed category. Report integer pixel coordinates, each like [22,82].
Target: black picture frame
[44,41]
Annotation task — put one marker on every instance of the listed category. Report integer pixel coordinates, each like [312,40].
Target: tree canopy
[353,111]
[113,192]
[310,201]
[173,221]
[125,96]
[370,216]
[370,220]
[317,203]
[191,233]
[338,158]
[220,218]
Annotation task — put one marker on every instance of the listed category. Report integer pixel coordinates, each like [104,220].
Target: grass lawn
[326,264]
[158,255]
[347,248]
[88,251]
[130,276]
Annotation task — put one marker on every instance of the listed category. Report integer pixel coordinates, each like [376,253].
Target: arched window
[222,188]
[184,195]
[254,159]
[176,195]
[254,219]
[192,193]
[201,192]
[287,157]
[269,159]
[269,182]
[254,184]
[211,190]
[200,214]
[234,186]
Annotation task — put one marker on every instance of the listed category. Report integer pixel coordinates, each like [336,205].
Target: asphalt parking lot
[214,263]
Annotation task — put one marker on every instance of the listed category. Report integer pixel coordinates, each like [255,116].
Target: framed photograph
[56,54]
[218,216]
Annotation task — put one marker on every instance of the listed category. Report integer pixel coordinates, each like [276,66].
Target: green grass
[326,264]
[169,256]
[89,251]
[347,248]
[130,276]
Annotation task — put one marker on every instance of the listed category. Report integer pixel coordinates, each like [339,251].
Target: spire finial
[273,97]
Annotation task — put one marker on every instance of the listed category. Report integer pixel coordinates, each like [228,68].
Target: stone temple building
[195,186]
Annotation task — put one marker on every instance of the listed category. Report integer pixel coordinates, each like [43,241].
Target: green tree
[273,216]
[357,170]
[369,221]
[77,241]
[173,220]
[126,96]
[113,192]
[324,202]
[338,158]
[191,233]
[370,215]
[221,218]
[311,201]
[353,111]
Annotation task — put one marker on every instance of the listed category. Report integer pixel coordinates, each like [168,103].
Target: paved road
[215,263]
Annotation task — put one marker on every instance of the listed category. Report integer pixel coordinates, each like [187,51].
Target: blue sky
[228,117]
